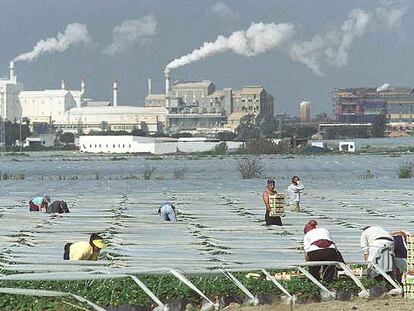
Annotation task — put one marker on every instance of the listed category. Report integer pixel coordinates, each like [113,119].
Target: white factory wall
[133,144]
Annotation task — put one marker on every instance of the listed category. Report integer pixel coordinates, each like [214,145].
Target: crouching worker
[318,246]
[39,203]
[167,212]
[83,250]
[58,207]
[377,246]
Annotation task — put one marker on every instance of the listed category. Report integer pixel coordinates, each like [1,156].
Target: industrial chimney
[62,85]
[149,86]
[12,77]
[115,93]
[83,86]
[167,81]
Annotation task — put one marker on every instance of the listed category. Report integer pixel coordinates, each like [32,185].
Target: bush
[250,168]
[67,138]
[406,170]
[226,136]
[148,170]
[367,175]
[264,146]
[220,148]
[178,172]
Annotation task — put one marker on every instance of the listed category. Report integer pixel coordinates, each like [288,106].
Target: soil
[394,304]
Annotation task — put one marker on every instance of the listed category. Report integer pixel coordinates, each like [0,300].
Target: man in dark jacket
[58,207]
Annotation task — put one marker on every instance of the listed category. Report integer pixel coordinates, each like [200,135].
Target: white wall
[132,144]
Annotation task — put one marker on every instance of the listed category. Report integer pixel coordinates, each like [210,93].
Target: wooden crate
[277,205]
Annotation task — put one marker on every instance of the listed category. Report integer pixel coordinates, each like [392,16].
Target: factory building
[200,105]
[304,111]
[9,92]
[361,105]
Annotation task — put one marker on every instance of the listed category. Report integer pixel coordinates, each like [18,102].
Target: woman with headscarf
[83,250]
[319,246]
[39,203]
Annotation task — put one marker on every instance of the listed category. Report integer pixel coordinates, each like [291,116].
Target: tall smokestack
[115,93]
[83,86]
[12,77]
[167,82]
[149,86]
[62,84]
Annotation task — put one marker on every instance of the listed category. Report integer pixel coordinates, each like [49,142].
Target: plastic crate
[410,252]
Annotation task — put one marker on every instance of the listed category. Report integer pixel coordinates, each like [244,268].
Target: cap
[99,243]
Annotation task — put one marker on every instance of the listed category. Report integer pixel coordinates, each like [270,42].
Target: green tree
[247,128]
[14,130]
[67,138]
[378,126]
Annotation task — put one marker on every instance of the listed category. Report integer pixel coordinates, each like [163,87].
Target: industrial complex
[195,106]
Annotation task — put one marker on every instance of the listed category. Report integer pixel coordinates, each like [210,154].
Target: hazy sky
[321,45]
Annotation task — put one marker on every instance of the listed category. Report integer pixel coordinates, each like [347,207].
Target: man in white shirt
[377,246]
[294,190]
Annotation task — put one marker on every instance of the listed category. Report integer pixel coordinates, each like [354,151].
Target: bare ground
[394,304]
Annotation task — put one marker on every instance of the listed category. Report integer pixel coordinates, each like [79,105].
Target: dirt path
[394,304]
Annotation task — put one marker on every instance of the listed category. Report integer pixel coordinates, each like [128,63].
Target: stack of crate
[409,275]
[277,204]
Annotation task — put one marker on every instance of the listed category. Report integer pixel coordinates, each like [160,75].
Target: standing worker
[270,191]
[377,246]
[83,250]
[400,252]
[39,203]
[294,190]
[167,212]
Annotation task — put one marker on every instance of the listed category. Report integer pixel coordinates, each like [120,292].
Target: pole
[20,135]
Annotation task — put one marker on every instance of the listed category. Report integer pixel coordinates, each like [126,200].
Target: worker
[377,246]
[269,191]
[83,250]
[58,207]
[294,190]
[39,203]
[319,246]
[167,212]
[400,252]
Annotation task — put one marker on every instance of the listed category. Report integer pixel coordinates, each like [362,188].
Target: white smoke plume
[129,32]
[334,46]
[258,38]
[223,10]
[383,87]
[74,34]
[390,14]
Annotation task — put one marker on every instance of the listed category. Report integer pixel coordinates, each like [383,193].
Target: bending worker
[39,203]
[58,207]
[167,212]
[83,250]
[318,246]
[377,246]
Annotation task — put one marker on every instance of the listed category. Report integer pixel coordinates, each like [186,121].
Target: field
[220,215]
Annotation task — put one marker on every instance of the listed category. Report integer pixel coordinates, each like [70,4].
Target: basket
[277,205]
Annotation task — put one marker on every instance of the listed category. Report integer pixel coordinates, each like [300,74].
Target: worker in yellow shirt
[83,250]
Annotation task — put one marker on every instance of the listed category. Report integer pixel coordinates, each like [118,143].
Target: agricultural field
[221,216]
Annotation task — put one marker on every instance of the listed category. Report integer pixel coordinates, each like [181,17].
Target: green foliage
[226,136]
[263,146]
[406,170]
[220,148]
[108,133]
[181,134]
[346,132]
[378,126]
[247,128]
[138,132]
[13,131]
[67,138]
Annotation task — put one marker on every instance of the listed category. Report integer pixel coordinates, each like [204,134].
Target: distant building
[304,111]
[361,105]
[9,92]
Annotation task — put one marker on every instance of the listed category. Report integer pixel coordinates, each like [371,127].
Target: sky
[298,50]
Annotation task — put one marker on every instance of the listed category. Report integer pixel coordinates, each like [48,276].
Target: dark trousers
[272,220]
[329,273]
[66,253]
[32,207]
